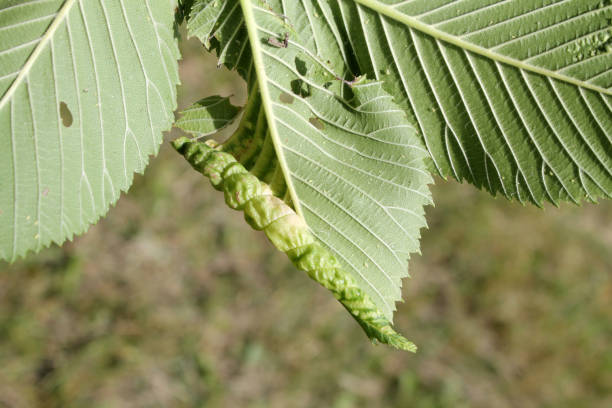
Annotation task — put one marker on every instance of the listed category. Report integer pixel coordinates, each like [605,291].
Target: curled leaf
[290,234]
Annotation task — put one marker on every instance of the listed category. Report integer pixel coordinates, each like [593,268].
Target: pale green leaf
[511,95]
[207,116]
[344,155]
[86,88]
[219,24]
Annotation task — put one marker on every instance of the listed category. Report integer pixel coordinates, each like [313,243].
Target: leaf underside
[513,96]
[86,89]
[343,155]
[208,116]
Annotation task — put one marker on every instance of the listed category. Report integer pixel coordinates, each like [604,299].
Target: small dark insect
[349,83]
[279,44]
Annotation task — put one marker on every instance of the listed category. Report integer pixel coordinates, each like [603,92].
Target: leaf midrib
[25,70]
[415,23]
[262,79]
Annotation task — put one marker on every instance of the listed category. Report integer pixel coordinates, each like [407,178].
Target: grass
[172,301]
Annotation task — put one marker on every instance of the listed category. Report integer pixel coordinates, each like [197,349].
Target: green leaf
[220,26]
[513,96]
[207,116]
[86,88]
[289,233]
[510,95]
[341,153]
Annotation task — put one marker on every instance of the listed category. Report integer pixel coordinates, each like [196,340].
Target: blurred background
[173,301]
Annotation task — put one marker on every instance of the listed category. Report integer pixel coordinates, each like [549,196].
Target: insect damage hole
[316,122]
[65,114]
[286,98]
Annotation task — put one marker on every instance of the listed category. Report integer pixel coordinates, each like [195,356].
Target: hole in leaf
[300,88]
[316,122]
[65,114]
[300,66]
